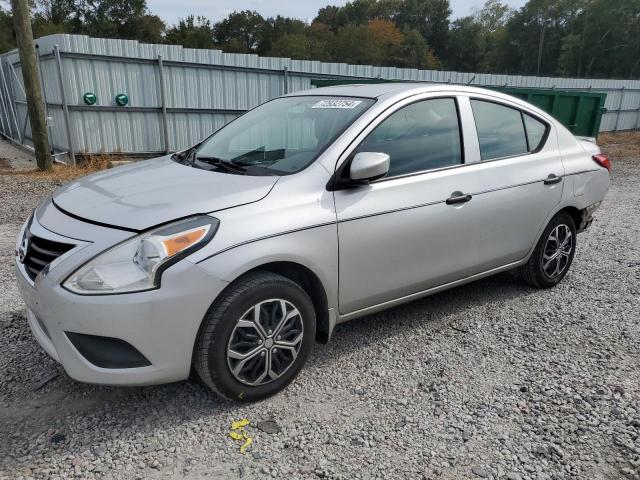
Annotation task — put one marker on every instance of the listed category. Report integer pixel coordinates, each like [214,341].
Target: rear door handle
[458,197]
[552,179]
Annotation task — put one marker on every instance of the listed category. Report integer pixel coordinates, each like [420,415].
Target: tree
[28,64]
[465,46]
[415,52]
[192,32]
[128,19]
[570,59]
[333,17]
[56,11]
[292,45]
[534,36]
[240,32]
[320,38]
[358,12]
[493,16]
[312,44]
[549,37]
[430,18]
[476,42]
[150,29]
[376,43]
[55,16]
[7,39]
[604,41]
[111,18]
[492,19]
[274,28]
[380,42]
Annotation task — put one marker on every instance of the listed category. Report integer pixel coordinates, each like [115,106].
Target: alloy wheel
[265,342]
[557,251]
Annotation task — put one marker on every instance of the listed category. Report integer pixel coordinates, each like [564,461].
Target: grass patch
[623,144]
[87,164]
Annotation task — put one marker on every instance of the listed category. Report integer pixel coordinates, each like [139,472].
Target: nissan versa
[232,257]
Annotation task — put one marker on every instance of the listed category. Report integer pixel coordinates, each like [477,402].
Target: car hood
[151,192]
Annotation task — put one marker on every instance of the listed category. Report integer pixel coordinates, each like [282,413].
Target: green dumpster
[579,111]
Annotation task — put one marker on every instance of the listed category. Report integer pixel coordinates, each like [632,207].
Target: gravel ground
[489,380]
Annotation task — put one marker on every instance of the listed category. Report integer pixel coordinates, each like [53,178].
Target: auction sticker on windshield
[337,103]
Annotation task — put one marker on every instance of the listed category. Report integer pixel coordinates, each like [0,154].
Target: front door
[399,235]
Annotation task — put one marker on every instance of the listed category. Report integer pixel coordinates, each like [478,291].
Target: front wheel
[256,337]
[553,254]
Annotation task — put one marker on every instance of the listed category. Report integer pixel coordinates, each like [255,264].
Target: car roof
[376,90]
[394,91]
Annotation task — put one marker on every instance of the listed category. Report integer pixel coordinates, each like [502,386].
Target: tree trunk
[540,46]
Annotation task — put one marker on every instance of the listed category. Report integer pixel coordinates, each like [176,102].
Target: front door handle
[552,179]
[458,197]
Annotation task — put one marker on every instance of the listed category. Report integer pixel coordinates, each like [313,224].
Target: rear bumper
[160,324]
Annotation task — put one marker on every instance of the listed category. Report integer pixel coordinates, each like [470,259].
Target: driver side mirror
[368,166]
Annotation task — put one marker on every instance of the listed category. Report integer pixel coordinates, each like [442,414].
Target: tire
[542,271]
[232,351]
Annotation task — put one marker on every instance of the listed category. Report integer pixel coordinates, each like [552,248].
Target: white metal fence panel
[178,95]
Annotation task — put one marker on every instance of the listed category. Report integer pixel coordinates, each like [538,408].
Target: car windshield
[280,137]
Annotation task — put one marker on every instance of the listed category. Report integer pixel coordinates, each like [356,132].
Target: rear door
[519,173]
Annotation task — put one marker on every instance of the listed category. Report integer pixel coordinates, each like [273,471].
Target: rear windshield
[284,135]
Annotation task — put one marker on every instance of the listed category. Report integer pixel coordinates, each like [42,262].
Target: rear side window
[500,130]
[421,136]
[535,131]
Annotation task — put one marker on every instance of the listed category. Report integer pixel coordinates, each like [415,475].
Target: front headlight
[137,264]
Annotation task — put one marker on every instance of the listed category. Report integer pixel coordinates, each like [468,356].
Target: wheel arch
[311,284]
[296,271]
[572,210]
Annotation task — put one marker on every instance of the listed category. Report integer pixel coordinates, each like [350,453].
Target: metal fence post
[63,100]
[4,116]
[618,113]
[44,99]
[24,94]
[8,97]
[2,123]
[163,100]
[13,99]
[285,73]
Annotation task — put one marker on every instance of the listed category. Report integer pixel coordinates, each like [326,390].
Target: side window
[500,130]
[535,131]
[421,136]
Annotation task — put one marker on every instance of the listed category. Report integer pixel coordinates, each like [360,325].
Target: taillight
[602,160]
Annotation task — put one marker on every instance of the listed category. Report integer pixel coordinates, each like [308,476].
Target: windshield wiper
[183,156]
[227,165]
[261,156]
[179,156]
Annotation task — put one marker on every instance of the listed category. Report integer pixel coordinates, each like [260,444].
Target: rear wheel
[256,337]
[553,254]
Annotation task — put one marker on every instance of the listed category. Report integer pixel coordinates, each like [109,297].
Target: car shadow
[435,310]
[31,411]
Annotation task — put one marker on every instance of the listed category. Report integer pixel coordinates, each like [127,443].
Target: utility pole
[540,48]
[35,107]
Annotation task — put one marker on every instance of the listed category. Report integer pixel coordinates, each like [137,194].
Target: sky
[171,10]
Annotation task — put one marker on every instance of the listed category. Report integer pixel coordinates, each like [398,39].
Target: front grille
[41,252]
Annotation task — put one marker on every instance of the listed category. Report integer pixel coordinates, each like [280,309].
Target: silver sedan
[232,257]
